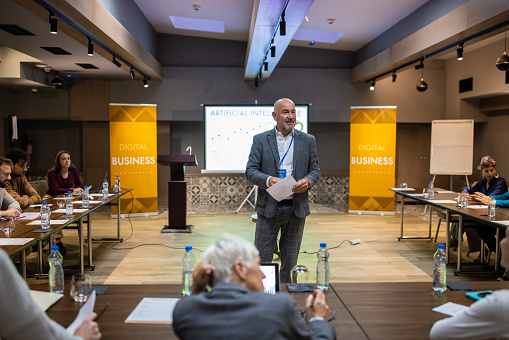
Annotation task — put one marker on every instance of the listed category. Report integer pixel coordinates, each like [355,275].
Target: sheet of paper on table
[153,310]
[27,216]
[52,222]
[91,202]
[44,299]
[443,201]
[477,206]
[503,222]
[283,188]
[444,192]
[39,205]
[403,189]
[15,241]
[449,308]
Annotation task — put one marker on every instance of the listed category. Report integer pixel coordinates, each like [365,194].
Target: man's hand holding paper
[283,188]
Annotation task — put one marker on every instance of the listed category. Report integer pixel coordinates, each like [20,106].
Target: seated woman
[491,183]
[62,177]
[485,319]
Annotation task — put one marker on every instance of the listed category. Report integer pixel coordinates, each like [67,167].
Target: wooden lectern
[177,190]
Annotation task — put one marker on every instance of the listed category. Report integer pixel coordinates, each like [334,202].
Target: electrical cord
[309,253]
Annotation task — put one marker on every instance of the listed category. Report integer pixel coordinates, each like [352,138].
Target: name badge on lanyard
[282,173]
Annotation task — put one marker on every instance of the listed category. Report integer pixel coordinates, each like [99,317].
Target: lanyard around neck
[289,146]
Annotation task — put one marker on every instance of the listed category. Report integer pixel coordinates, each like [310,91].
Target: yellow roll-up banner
[133,152]
[372,159]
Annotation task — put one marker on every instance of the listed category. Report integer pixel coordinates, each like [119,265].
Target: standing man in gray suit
[9,208]
[235,307]
[275,154]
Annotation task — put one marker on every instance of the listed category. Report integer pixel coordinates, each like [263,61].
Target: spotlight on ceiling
[372,86]
[133,75]
[257,81]
[394,76]
[312,42]
[459,52]
[273,51]
[90,48]
[421,85]
[116,62]
[53,23]
[57,83]
[282,24]
[421,65]
[503,61]
[145,82]
[265,66]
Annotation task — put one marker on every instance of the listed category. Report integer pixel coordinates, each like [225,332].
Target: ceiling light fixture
[145,82]
[116,62]
[421,85]
[312,42]
[266,66]
[133,75]
[273,51]
[196,7]
[57,83]
[307,19]
[459,52]
[330,21]
[394,76]
[503,61]
[53,23]
[372,86]
[282,24]
[90,48]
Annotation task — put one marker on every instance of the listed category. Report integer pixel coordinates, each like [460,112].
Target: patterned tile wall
[211,194]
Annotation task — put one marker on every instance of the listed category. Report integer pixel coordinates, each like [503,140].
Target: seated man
[237,307]
[18,187]
[9,208]
[487,318]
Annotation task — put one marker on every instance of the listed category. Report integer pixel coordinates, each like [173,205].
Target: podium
[177,191]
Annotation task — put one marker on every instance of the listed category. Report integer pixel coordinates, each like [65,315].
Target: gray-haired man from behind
[237,307]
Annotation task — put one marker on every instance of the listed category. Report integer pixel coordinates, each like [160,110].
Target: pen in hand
[101,312]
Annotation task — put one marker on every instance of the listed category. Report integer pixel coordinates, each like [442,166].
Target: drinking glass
[61,201]
[7,226]
[81,287]
[425,193]
[300,274]
[404,185]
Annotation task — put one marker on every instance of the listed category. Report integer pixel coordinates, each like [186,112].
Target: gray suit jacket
[263,163]
[231,311]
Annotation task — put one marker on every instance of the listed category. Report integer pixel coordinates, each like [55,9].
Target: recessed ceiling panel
[195,24]
[317,35]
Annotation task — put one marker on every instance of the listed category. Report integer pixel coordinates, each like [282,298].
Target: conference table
[396,310]
[23,229]
[446,200]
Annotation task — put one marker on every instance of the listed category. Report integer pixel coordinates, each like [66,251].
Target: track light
[90,48]
[459,52]
[257,81]
[53,23]
[422,85]
[57,83]
[372,86]
[273,51]
[503,61]
[265,66]
[145,82]
[394,76]
[421,65]
[133,75]
[282,24]
[116,62]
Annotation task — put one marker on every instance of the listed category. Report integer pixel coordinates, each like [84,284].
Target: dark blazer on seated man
[237,307]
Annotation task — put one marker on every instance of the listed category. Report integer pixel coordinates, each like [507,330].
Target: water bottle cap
[492,194]
[85,187]
[69,192]
[323,245]
[431,181]
[117,175]
[44,202]
[465,188]
[188,248]
[54,248]
[106,180]
[441,246]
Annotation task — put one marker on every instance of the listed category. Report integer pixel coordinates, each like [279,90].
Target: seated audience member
[63,176]
[487,318]
[22,319]
[490,183]
[9,208]
[18,187]
[237,307]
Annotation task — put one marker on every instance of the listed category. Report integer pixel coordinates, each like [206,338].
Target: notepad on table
[153,310]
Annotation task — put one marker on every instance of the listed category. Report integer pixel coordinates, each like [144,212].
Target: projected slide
[229,132]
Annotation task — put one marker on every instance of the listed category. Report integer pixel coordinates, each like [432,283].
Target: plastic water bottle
[56,271]
[68,204]
[431,190]
[45,215]
[86,198]
[105,189]
[322,268]
[439,271]
[491,205]
[117,184]
[464,199]
[187,271]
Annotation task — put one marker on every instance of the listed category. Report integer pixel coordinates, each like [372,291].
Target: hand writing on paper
[301,186]
[10,213]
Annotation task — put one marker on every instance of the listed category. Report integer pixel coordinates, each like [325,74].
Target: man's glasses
[24,166]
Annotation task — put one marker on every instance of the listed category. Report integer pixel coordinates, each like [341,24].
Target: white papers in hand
[153,310]
[282,189]
[449,308]
[85,311]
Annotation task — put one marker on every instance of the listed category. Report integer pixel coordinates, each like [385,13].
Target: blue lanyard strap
[289,146]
